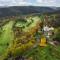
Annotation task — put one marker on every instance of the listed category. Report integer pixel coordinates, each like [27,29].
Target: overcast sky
[30,2]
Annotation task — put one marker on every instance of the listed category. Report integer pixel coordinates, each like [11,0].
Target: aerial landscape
[29,33]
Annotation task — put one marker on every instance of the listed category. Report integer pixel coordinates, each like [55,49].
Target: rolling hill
[21,10]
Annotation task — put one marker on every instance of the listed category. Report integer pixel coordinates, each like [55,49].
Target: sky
[55,3]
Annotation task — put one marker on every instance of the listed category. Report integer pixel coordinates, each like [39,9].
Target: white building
[48,31]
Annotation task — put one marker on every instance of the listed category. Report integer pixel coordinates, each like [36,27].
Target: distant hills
[22,10]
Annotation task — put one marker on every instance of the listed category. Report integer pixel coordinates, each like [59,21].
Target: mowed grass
[43,53]
[33,24]
[29,20]
[6,36]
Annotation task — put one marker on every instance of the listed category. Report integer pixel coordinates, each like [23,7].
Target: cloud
[22,2]
[46,2]
[29,2]
[14,3]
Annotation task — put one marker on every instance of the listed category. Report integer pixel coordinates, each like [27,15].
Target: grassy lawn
[43,53]
[29,23]
[6,36]
[35,20]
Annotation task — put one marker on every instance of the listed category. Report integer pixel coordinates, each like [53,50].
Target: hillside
[21,10]
[19,38]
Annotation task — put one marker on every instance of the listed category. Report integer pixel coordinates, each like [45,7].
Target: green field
[37,53]
[6,36]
